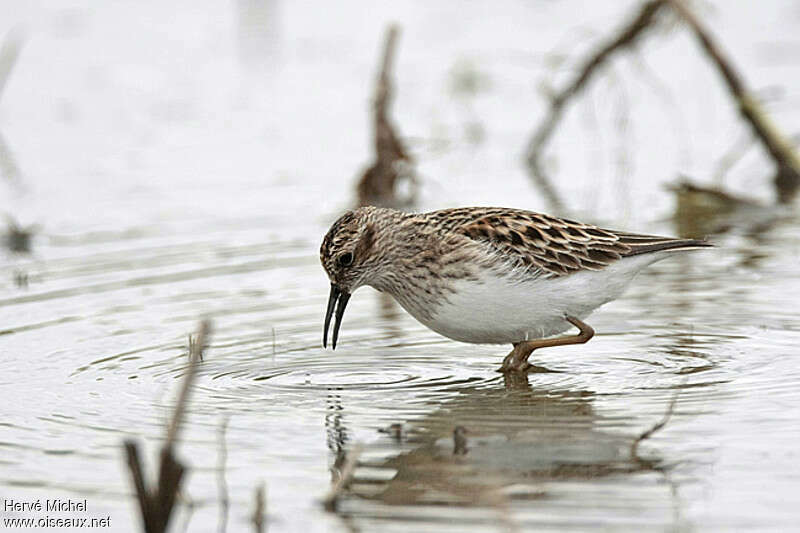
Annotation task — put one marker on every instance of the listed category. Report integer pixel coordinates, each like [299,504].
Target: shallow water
[184,163]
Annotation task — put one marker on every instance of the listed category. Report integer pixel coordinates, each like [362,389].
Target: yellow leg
[517,360]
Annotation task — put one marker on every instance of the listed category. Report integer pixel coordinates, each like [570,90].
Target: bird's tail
[644,244]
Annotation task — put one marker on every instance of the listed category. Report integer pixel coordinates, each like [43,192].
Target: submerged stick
[625,36]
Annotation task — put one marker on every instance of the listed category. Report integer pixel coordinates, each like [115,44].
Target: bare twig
[625,37]
[137,477]
[343,480]
[155,504]
[392,161]
[780,149]
[787,179]
[222,485]
[195,355]
[170,476]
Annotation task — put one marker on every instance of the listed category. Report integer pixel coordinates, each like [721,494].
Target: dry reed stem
[156,504]
[195,356]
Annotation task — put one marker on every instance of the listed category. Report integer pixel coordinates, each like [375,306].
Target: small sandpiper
[486,274]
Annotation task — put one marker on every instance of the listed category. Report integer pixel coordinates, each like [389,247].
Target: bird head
[348,255]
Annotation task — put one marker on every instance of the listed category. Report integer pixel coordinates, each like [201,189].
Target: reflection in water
[154,228]
[499,448]
[691,351]
[703,211]
[336,431]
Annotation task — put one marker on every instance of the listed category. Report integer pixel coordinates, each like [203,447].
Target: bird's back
[555,246]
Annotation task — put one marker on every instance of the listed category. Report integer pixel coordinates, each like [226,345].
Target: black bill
[342,297]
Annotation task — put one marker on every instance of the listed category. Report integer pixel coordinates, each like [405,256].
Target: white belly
[500,310]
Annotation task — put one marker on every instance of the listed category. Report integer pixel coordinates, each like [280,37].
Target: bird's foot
[517,360]
[524,367]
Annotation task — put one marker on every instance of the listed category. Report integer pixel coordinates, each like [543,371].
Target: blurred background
[160,162]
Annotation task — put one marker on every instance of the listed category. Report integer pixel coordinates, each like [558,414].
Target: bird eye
[346,259]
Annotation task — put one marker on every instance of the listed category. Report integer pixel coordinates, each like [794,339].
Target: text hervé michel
[36,506]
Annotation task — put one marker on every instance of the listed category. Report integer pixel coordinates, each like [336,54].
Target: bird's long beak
[342,297]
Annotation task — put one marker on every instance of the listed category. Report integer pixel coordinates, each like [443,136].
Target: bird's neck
[406,266]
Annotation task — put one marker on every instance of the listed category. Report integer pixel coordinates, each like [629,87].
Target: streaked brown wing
[560,246]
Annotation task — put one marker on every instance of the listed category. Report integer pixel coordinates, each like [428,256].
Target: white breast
[503,309]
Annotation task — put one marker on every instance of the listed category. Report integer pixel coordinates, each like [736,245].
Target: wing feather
[555,246]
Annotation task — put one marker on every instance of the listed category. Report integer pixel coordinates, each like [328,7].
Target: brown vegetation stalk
[377,185]
[195,356]
[156,503]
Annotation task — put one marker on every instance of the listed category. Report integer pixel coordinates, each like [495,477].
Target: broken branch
[626,36]
[377,184]
[787,179]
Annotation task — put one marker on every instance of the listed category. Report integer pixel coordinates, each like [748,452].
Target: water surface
[184,162]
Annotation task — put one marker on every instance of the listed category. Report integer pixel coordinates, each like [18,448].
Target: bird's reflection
[337,434]
[509,433]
